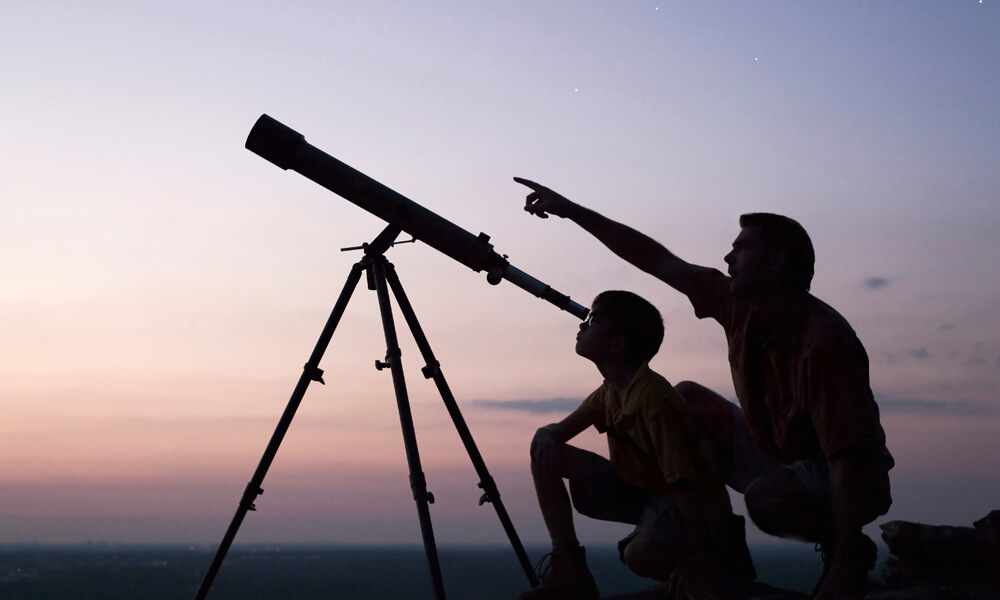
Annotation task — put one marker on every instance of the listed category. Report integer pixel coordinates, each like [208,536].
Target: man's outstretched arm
[635,247]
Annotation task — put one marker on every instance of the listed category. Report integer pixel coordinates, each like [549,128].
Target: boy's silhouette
[660,477]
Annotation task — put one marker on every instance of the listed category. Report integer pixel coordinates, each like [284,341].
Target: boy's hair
[782,233]
[636,319]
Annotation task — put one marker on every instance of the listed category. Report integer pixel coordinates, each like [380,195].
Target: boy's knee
[648,560]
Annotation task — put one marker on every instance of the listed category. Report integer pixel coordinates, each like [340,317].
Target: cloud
[889,404]
[543,406]
[920,353]
[876,283]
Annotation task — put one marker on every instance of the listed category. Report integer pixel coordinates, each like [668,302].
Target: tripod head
[288,149]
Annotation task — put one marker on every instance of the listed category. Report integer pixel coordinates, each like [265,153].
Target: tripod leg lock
[490,491]
[418,485]
[390,355]
[314,373]
[249,495]
[431,370]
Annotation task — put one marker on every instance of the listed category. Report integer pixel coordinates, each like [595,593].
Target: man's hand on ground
[842,583]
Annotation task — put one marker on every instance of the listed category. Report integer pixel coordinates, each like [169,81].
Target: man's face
[750,262]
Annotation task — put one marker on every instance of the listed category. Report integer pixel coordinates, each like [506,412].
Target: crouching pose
[661,477]
[801,376]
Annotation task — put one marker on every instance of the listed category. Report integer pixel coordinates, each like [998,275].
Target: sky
[162,286]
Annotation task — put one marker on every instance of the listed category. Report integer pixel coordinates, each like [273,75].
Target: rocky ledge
[926,562]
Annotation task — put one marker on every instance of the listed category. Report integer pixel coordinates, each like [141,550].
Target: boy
[659,476]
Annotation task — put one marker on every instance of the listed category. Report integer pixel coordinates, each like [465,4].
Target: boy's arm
[636,248]
[543,445]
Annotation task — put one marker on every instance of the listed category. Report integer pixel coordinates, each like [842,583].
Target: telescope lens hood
[274,141]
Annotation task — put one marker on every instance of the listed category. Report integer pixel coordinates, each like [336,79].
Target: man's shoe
[849,578]
[564,576]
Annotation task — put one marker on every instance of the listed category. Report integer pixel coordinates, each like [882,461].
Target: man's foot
[845,573]
[565,577]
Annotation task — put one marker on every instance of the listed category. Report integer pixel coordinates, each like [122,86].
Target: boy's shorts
[605,496]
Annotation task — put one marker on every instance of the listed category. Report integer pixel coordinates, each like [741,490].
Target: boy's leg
[567,575]
[658,547]
[595,491]
[655,548]
[553,499]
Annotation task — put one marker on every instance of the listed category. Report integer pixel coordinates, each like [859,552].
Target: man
[801,377]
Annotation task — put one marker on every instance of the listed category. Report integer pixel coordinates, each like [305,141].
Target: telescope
[288,149]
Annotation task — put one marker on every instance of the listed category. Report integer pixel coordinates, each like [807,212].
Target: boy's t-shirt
[653,436]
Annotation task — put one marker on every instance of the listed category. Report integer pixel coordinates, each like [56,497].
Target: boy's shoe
[564,577]
[853,573]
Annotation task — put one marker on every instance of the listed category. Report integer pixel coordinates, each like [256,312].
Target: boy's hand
[543,449]
[542,201]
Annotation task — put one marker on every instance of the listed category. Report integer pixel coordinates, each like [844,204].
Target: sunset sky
[162,286]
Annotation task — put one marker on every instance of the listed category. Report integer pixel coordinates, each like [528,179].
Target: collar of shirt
[629,405]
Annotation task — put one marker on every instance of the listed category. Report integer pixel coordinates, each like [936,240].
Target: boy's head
[623,318]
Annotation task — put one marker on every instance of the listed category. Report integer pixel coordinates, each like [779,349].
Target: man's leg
[794,502]
[780,504]
[728,438]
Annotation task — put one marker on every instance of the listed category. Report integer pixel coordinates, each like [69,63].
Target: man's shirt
[804,384]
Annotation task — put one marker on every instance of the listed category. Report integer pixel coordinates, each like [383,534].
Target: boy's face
[597,339]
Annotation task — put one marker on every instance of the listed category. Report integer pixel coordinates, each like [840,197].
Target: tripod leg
[433,371]
[310,373]
[418,484]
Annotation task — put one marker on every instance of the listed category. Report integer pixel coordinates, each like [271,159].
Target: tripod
[382,278]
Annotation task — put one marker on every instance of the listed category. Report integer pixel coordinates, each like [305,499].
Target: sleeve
[667,428]
[710,296]
[593,405]
[840,398]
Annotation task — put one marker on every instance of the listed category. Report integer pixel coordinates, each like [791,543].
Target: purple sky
[162,286]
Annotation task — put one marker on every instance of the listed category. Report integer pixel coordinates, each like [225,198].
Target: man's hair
[780,233]
[636,319]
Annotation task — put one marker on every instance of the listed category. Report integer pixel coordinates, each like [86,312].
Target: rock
[748,591]
[939,592]
[935,555]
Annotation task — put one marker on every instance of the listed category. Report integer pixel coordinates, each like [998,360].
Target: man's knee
[694,392]
[777,503]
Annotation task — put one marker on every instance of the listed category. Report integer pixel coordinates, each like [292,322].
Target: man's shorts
[870,491]
[605,496]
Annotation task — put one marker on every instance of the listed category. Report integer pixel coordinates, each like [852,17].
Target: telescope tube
[288,149]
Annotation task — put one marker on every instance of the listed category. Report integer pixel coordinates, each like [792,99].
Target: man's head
[620,323]
[771,250]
